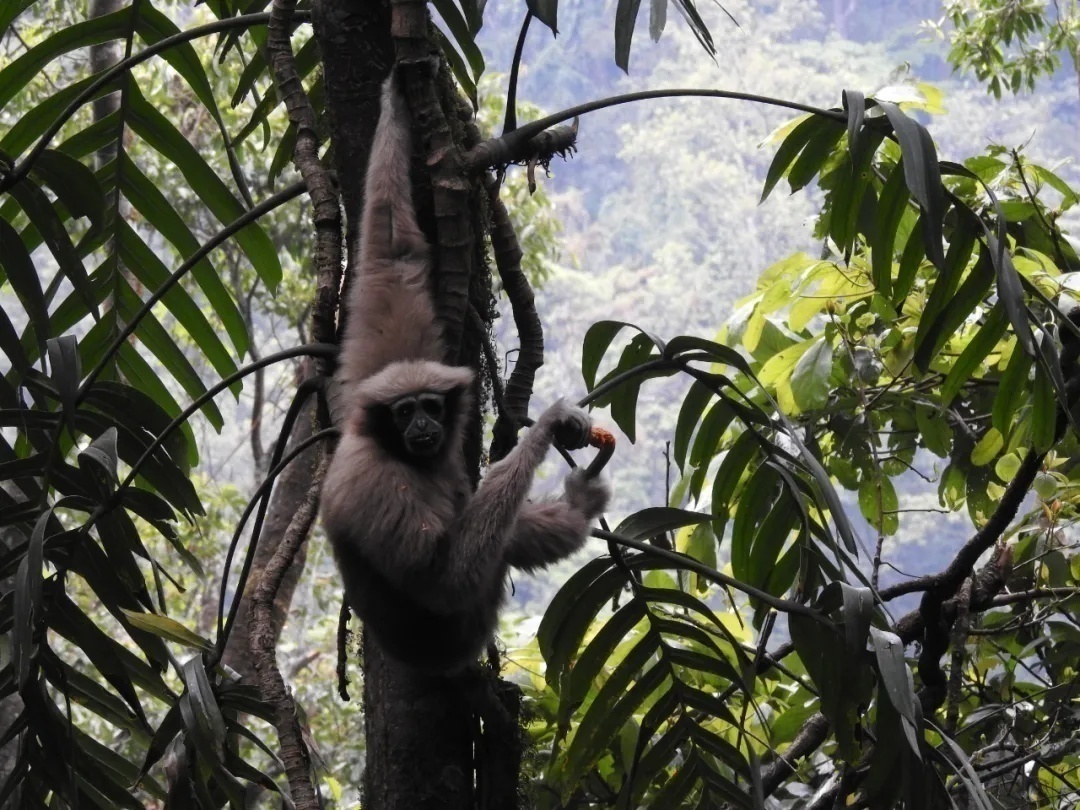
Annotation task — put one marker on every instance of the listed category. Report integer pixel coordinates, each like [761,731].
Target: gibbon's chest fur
[399,498]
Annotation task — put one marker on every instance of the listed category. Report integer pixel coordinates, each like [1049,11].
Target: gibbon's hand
[586,493]
[571,425]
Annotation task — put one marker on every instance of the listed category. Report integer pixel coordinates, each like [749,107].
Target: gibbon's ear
[411,377]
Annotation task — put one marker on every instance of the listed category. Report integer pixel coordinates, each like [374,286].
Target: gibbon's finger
[604,441]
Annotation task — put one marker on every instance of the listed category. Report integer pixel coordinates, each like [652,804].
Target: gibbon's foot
[586,493]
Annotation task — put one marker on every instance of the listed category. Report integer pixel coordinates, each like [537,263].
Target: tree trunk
[420,730]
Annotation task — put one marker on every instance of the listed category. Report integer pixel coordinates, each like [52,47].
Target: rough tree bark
[419,730]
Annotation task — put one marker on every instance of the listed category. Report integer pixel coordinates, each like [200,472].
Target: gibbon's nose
[421,423]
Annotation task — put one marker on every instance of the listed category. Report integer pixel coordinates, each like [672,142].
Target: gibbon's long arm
[476,554]
[546,531]
[390,314]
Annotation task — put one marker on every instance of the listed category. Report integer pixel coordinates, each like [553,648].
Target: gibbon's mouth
[425,443]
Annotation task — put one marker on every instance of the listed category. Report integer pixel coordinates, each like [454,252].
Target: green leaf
[935,430]
[910,261]
[1011,390]
[810,379]
[101,454]
[74,184]
[27,611]
[821,144]
[1043,413]
[730,472]
[922,175]
[152,274]
[590,663]
[65,371]
[987,448]
[596,344]
[160,134]
[948,307]
[891,207]
[21,273]
[692,407]
[11,10]
[769,540]
[43,217]
[614,704]
[712,430]
[984,342]
[547,12]
[756,500]
[790,148]
[158,340]
[625,20]
[655,520]
[463,36]
[168,629]
[878,503]
[94,31]
[896,678]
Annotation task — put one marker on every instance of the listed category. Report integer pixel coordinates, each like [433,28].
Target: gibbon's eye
[433,405]
[404,410]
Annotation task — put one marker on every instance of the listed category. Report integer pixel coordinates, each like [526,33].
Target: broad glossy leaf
[597,342]
[821,144]
[689,414]
[547,12]
[987,448]
[625,21]
[1014,384]
[790,148]
[810,377]
[973,355]
[655,520]
[922,175]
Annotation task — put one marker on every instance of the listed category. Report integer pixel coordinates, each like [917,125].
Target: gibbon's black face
[420,420]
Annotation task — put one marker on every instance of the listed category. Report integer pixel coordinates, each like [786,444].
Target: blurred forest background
[656,220]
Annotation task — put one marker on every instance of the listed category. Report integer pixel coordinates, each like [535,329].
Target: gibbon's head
[414,408]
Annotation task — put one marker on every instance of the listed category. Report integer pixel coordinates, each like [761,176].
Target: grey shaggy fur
[422,558]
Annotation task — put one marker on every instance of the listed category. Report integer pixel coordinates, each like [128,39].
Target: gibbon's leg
[547,531]
[389,229]
[476,553]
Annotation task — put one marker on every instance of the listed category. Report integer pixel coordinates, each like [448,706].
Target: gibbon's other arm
[477,552]
[390,316]
[547,531]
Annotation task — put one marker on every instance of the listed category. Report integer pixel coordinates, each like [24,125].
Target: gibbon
[422,558]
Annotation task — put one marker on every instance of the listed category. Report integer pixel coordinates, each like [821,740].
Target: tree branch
[294,753]
[324,197]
